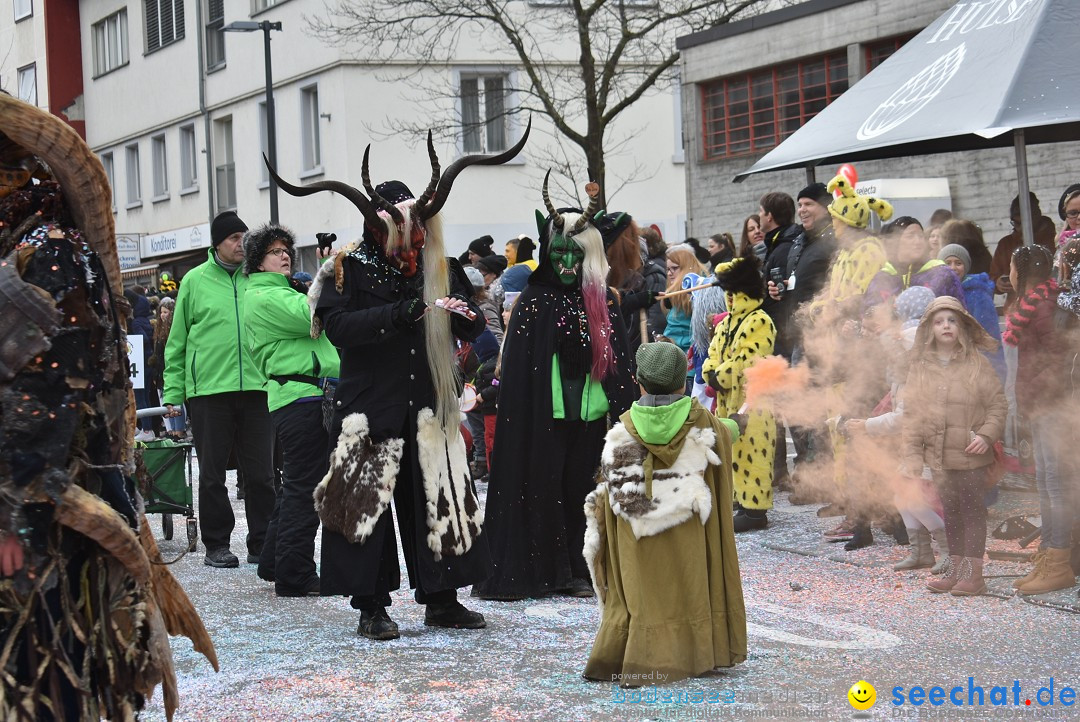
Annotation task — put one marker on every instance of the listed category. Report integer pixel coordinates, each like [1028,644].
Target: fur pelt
[360,483]
[678,492]
[454,516]
[595,548]
[331,268]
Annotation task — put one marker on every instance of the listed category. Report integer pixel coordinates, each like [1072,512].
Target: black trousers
[219,421]
[288,553]
[389,574]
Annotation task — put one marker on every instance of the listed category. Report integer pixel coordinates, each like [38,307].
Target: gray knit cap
[955,249]
[661,367]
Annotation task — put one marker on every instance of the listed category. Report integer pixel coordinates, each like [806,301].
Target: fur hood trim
[678,492]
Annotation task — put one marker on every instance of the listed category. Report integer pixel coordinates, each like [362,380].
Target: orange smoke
[771,377]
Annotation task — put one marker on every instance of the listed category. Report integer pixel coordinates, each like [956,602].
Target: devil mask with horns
[398,223]
[407,233]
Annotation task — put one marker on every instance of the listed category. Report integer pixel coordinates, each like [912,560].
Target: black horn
[447,179]
[557,219]
[594,203]
[371,215]
[365,178]
[434,183]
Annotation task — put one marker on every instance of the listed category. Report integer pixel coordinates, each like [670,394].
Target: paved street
[820,620]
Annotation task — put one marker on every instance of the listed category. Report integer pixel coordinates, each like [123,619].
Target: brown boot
[949,580]
[1035,559]
[971,582]
[1053,573]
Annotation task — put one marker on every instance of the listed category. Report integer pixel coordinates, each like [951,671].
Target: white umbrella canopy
[986,74]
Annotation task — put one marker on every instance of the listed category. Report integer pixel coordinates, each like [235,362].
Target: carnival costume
[395,431]
[746,335]
[564,371]
[86,607]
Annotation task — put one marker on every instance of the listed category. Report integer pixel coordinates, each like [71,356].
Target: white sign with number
[135,359]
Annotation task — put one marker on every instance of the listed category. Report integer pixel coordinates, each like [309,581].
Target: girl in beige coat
[954,411]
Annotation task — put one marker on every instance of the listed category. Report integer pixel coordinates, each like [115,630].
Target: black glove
[741,420]
[407,312]
[710,379]
[652,297]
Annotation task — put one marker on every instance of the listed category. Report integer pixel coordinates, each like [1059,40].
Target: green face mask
[566,257]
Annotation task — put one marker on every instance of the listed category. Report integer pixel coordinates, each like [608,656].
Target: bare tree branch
[582,63]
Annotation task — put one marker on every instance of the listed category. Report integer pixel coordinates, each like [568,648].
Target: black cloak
[535,504]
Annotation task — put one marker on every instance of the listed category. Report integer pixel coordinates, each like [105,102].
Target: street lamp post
[248,26]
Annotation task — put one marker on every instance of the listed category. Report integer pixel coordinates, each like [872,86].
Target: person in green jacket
[277,320]
[208,366]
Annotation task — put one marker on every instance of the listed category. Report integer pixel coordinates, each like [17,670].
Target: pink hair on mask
[603,355]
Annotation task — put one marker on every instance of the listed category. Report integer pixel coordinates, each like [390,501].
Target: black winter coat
[811,269]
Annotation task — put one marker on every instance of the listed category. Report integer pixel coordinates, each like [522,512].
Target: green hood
[662,431]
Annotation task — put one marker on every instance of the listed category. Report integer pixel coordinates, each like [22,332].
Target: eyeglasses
[1072,214]
[278,252]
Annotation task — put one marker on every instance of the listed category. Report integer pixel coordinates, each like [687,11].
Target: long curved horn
[421,204]
[365,178]
[447,179]
[556,218]
[371,215]
[79,172]
[594,203]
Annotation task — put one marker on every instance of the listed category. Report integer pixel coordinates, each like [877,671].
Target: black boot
[750,519]
[581,588]
[453,615]
[377,625]
[862,537]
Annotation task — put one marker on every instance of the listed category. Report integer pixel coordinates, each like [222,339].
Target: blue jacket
[979,297]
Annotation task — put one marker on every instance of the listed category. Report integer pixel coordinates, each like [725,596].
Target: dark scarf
[1025,310]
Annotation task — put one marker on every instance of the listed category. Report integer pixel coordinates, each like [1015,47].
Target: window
[134,181]
[164,22]
[28,84]
[309,128]
[215,36]
[107,164]
[110,43]
[23,9]
[225,171]
[161,167]
[754,112]
[264,145]
[877,53]
[483,113]
[189,168]
[263,4]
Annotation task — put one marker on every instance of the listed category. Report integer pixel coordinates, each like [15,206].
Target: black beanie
[492,264]
[815,192]
[257,241]
[482,246]
[225,225]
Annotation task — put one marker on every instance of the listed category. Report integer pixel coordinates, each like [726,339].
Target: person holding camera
[794,278]
[297,365]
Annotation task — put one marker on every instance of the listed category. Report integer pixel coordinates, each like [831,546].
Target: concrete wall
[983,183]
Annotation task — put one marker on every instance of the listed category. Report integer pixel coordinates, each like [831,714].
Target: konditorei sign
[176,241]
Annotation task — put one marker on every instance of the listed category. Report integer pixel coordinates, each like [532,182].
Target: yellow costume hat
[853,209]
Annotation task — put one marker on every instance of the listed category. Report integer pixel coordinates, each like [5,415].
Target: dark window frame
[780,109]
[877,52]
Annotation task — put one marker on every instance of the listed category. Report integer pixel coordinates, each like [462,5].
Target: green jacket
[206,353]
[278,325]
